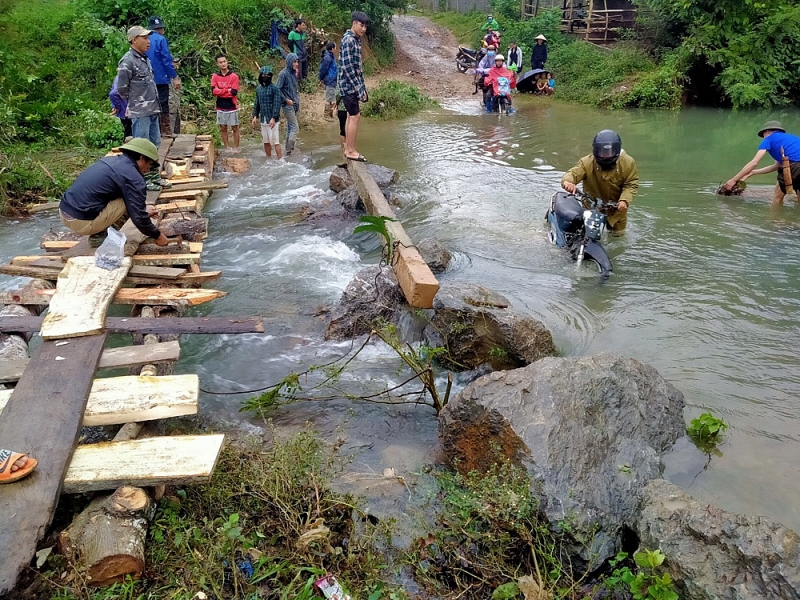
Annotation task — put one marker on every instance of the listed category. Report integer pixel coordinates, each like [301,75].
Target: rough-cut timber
[43,418]
[112,358]
[154,325]
[418,283]
[82,296]
[117,400]
[173,460]
[156,296]
[107,540]
[136,276]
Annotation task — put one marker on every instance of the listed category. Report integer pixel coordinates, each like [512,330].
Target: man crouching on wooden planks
[112,188]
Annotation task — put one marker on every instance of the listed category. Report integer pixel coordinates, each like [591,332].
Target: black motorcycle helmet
[606,148]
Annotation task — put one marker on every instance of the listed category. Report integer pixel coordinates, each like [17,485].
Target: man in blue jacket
[328,74]
[163,70]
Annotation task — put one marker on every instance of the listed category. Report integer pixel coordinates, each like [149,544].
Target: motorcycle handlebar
[589,202]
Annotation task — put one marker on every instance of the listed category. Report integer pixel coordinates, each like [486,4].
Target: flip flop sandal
[359,158]
[7,459]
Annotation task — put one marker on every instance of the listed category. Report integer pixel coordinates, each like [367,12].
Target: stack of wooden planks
[57,390]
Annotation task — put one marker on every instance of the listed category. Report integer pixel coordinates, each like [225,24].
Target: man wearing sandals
[351,81]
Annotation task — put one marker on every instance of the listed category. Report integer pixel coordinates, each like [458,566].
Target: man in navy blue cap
[164,72]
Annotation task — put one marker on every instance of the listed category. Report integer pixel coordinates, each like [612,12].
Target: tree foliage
[751,45]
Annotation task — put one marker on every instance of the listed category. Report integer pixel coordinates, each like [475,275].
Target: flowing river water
[705,288]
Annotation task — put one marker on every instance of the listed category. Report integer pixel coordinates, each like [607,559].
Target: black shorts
[795,167]
[351,104]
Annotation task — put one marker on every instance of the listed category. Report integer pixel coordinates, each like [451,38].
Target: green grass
[395,100]
[464,26]
[257,507]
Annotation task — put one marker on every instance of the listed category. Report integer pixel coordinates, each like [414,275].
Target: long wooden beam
[138,259]
[119,400]
[179,326]
[112,358]
[136,276]
[418,283]
[154,296]
[147,462]
[42,418]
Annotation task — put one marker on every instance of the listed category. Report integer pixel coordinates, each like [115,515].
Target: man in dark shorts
[351,81]
[778,144]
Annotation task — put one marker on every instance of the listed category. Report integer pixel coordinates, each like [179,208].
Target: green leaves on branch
[377,225]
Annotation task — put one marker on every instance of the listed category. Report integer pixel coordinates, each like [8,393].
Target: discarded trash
[330,588]
[317,531]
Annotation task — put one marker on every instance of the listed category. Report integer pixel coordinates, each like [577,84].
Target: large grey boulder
[478,327]
[714,554]
[340,179]
[372,295]
[589,430]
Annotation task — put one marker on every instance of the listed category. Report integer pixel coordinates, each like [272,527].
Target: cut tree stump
[107,540]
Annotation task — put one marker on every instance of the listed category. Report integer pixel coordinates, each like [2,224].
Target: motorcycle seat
[567,208]
[470,51]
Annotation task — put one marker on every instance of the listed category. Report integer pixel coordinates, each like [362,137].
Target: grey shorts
[330,94]
[228,117]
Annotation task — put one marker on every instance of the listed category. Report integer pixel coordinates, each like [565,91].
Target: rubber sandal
[7,459]
[359,158]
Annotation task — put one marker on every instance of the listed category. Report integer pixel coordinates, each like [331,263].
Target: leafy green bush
[706,429]
[101,130]
[395,100]
[645,584]
[654,89]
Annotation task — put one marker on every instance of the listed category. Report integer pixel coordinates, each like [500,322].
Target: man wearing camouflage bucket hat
[110,189]
[780,145]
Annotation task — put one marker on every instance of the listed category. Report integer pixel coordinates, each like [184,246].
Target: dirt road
[426,56]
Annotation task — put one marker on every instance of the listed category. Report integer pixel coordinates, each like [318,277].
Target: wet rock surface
[350,200]
[234,164]
[712,553]
[477,327]
[372,295]
[340,179]
[434,254]
[590,431]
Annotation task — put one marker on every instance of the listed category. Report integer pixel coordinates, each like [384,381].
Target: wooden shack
[597,21]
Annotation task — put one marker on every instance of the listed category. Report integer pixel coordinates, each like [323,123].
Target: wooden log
[83,293]
[157,296]
[107,540]
[139,259]
[184,325]
[113,358]
[186,278]
[182,205]
[15,345]
[184,248]
[58,245]
[202,185]
[193,230]
[42,418]
[170,460]
[204,138]
[418,283]
[43,207]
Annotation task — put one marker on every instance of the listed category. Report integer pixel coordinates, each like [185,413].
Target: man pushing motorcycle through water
[608,173]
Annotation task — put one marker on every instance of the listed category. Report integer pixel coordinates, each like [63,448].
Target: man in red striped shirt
[225,88]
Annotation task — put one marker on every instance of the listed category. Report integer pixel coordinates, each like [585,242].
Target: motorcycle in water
[576,222]
[467,58]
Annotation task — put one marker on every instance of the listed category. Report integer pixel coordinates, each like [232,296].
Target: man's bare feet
[15,465]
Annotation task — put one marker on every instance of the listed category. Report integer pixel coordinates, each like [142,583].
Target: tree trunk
[108,538]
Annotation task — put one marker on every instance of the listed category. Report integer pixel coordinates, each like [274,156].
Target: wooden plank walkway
[43,418]
[56,390]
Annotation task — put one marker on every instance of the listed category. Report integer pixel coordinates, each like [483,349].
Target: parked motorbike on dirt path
[576,222]
[467,58]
